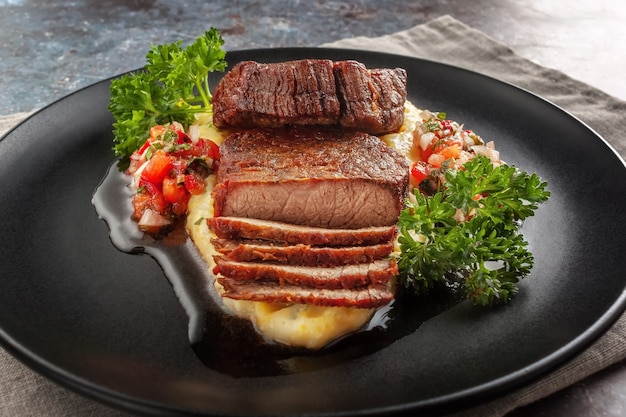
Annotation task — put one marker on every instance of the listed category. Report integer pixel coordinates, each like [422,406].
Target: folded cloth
[25,393]
[9,121]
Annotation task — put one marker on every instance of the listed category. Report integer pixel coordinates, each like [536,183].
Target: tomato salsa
[439,143]
[167,170]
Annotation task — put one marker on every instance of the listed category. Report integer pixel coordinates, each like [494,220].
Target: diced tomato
[159,166]
[434,146]
[203,147]
[436,160]
[149,187]
[140,203]
[176,170]
[144,147]
[159,203]
[426,153]
[179,208]
[182,137]
[448,148]
[156,202]
[156,131]
[190,152]
[194,184]
[172,190]
[150,199]
[214,152]
[419,172]
[450,152]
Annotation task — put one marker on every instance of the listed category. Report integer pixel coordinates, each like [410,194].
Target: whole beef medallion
[330,178]
[313,92]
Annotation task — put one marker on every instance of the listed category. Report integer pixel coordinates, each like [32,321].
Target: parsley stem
[205,98]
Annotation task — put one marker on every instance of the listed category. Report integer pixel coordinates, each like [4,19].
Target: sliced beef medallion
[299,254]
[346,276]
[311,92]
[245,228]
[371,296]
[329,178]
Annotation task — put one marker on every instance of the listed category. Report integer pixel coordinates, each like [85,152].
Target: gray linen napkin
[25,393]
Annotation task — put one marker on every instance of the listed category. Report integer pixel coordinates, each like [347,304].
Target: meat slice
[299,254]
[247,228]
[311,92]
[371,101]
[329,178]
[347,276]
[367,297]
[272,95]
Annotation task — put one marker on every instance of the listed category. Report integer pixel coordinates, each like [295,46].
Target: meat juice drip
[229,344]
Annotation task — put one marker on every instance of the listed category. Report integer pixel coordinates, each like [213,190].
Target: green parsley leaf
[173,86]
[485,252]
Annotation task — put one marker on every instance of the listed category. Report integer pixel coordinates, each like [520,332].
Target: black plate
[108,325]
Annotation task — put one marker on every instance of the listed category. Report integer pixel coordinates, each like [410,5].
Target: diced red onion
[194,133]
[425,140]
[151,219]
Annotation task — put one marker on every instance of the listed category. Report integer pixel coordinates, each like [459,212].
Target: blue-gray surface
[52,48]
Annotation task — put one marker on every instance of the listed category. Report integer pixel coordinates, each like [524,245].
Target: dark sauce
[231,345]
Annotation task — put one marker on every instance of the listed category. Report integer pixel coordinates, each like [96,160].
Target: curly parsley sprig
[468,232]
[173,86]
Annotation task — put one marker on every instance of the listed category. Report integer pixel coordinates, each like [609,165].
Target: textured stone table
[49,49]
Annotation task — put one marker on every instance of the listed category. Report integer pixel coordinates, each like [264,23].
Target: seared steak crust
[366,297]
[371,100]
[245,228]
[346,276]
[272,95]
[329,178]
[299,254]
[311,92]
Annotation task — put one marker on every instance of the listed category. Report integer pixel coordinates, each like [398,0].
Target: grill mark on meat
[311,92]
[346,276]
[371,100]
[299,254]
[390,116]
[246,228]
[328,178]
[372,296]
[272,95]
